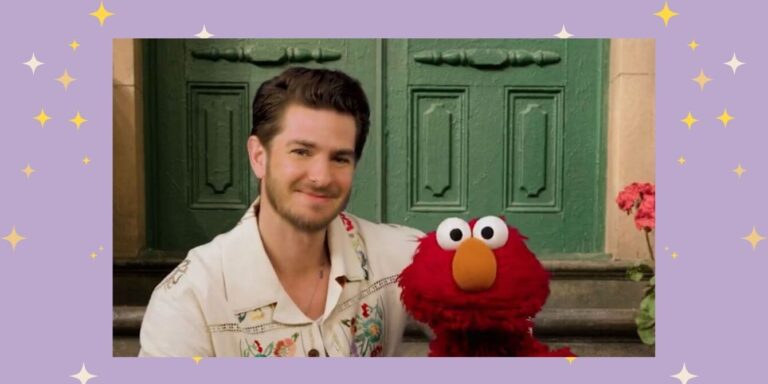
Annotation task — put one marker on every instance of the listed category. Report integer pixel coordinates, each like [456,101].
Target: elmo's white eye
[492,231]
[451,232]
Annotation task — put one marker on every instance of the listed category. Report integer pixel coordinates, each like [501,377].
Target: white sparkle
[563,34]
[203,34]
[734,63]
[33,63]
[83,376]
[684,375]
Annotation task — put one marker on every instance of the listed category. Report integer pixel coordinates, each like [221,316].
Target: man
[296,276]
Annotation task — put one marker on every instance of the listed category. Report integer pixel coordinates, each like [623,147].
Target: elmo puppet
[478,287]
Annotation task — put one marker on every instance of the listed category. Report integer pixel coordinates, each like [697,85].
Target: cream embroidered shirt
[225,299]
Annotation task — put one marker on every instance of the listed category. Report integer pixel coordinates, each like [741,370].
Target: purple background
[57,300]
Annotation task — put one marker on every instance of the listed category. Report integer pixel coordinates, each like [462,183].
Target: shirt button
[313,353]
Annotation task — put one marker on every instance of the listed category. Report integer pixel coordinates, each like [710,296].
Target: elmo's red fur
[492,322]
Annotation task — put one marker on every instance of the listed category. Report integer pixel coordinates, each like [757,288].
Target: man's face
[310,164]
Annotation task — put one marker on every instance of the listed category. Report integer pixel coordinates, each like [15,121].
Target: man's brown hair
[314,88]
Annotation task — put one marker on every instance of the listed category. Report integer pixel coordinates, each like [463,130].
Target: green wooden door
[459,128]
[499,127]
[199,98]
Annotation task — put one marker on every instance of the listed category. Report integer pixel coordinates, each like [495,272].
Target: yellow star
[725,118]
[739,170]
[74,44]
[14,238]
[666,14]
[753,238]
[681,160]
[28,170]
[83,376]
[65,79]
[86,160]
[674,255]
[101,13]
[42,118]
[93,255]
[693,44]
[689,120]
[702,79]
[570,359]
[197,359]
[78,120]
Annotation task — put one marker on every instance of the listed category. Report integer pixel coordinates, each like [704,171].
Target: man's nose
[320,173]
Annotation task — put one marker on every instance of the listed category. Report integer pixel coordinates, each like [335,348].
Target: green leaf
[648,305]
[646,318]
[635,275]
[639,271]
[647,336]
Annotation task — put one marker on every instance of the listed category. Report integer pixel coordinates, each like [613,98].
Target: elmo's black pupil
[487,233]
[456,234]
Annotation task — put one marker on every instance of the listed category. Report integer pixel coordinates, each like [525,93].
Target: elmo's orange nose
[474,266]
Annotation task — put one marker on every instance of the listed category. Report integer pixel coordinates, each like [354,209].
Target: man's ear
[257,155]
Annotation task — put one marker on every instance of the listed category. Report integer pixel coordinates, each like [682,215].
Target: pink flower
[628,197]
[646,213]
[642,198]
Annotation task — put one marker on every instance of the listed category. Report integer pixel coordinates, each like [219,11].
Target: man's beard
[283,209]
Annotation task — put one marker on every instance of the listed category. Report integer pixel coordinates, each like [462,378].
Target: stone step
[574,284]
[126,346]
[582,348]
[592,284]
[589,332]
[591,322]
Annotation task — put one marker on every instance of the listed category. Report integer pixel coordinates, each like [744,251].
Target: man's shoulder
[387,231]
[390,246]
[202,265]
[212,252]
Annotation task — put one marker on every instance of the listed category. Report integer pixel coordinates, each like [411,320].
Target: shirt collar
[250,280]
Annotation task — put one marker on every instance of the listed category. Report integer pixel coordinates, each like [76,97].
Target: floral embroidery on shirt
[283,348]
[286,347]
[357,242]
[256,315]
[366,329]
[175,275]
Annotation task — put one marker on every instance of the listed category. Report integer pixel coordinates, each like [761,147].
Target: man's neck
[293,252]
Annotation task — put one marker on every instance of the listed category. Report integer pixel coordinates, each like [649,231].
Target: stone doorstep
[128,346]
[582,348]
[562,323]
[559,268]
[575,283]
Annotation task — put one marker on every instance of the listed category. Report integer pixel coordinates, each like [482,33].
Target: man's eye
[301,152]
[343,160]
